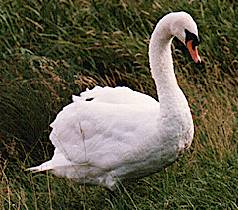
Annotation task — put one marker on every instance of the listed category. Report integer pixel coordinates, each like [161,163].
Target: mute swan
[111,134]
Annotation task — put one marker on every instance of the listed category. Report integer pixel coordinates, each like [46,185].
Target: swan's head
[185,29]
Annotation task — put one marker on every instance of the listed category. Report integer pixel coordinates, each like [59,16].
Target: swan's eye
[191,37]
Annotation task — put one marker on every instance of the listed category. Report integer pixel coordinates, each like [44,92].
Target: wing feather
[85,130]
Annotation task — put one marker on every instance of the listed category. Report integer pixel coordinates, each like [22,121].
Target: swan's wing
[117,95]
[103,134]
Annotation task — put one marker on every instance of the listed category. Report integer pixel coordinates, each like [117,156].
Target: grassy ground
[51,49]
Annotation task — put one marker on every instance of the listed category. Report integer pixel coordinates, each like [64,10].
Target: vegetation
[53,49]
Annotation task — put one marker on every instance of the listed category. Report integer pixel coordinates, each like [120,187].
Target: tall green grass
[53,49]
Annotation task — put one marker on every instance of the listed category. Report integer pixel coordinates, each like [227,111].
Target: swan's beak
[193,50]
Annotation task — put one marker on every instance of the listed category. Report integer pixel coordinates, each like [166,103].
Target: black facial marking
[191,36]
[89,99]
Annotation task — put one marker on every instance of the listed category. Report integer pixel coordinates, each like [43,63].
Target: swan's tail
[58,160]
[43,167]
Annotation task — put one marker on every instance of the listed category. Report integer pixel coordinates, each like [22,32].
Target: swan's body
[110,134]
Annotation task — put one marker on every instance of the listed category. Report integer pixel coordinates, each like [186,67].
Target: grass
[53,49]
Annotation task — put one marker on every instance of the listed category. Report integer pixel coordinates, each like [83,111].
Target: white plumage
[117,95]
[110,134]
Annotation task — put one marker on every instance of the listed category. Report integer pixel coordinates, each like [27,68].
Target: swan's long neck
[174,117]
[161,65]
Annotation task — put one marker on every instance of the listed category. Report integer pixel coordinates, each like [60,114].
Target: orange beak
[193,51]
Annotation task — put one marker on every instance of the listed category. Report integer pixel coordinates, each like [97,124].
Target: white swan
[110,134]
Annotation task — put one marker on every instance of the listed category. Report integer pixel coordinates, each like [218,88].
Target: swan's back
[117,95]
